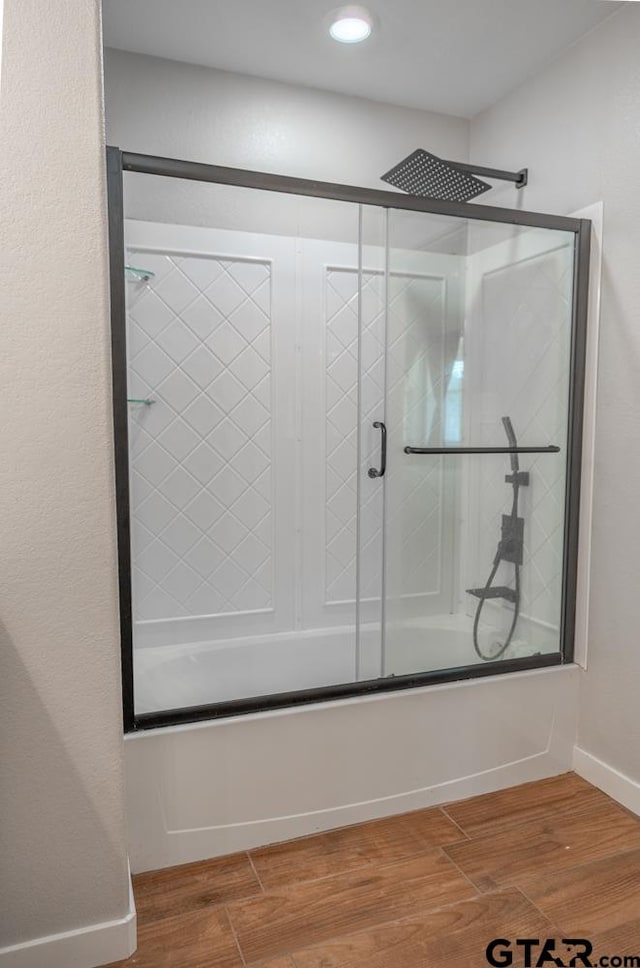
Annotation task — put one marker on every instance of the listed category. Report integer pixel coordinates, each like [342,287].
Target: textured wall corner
[64,847]
[576,126]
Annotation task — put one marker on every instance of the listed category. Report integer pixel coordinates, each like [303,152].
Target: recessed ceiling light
[350,25]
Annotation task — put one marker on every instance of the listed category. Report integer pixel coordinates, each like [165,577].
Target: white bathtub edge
[569,668]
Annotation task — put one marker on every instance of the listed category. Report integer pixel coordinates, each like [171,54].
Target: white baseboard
[87,947]
[618,786]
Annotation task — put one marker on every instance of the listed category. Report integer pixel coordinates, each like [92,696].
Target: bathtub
[198,673]
[204,789]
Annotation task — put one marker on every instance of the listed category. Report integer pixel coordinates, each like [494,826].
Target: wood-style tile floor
[555,859]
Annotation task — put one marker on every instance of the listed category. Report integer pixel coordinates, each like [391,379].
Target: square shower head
[422,173]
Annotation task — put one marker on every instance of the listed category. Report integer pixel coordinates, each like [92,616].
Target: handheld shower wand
[510,548]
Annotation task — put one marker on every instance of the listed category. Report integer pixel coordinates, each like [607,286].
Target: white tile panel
[199,346]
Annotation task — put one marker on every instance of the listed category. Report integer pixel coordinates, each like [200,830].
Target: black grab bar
[549,449]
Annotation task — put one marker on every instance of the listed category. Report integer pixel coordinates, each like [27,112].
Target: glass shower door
[348,438]
[477,351]
[241,336]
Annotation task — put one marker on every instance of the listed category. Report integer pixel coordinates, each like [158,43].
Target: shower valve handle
[374,471]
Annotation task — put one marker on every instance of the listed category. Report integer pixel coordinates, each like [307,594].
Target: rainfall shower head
[422,173]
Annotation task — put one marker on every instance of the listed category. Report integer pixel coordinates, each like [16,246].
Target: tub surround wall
[244,521]
[228,503]
[200,347]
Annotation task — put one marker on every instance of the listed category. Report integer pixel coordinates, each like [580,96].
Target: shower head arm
[423,173]
[519,178]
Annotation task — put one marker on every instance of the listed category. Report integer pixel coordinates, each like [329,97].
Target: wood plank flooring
[555,859]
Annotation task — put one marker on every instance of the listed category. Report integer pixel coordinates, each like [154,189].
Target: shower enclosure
[312,383]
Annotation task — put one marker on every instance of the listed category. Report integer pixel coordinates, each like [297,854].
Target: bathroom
[365,462]
[277,348]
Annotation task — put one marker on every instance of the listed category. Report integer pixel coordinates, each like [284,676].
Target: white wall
[577,127]
[63,854]
[168,108]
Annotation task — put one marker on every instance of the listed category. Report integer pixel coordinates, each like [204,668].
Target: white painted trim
[617,785]
[87,947]
[596,214]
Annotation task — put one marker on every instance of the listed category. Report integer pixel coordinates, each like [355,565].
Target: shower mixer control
[510,549]
[511,540]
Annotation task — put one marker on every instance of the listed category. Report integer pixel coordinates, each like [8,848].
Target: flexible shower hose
[496,564]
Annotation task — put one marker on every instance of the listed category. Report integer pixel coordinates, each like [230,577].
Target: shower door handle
[374,471]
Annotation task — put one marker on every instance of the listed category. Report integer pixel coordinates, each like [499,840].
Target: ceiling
[453,56]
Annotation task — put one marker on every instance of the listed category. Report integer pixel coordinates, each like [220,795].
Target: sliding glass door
[347,439]
[474,419]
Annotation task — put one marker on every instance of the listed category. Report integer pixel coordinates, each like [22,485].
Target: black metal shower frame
[118,162]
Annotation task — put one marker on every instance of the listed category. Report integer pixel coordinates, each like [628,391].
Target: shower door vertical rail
[359,447]
[372,441]
[121,425]
[580,310]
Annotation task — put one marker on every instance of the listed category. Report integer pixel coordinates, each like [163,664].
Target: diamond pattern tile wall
[199,343]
